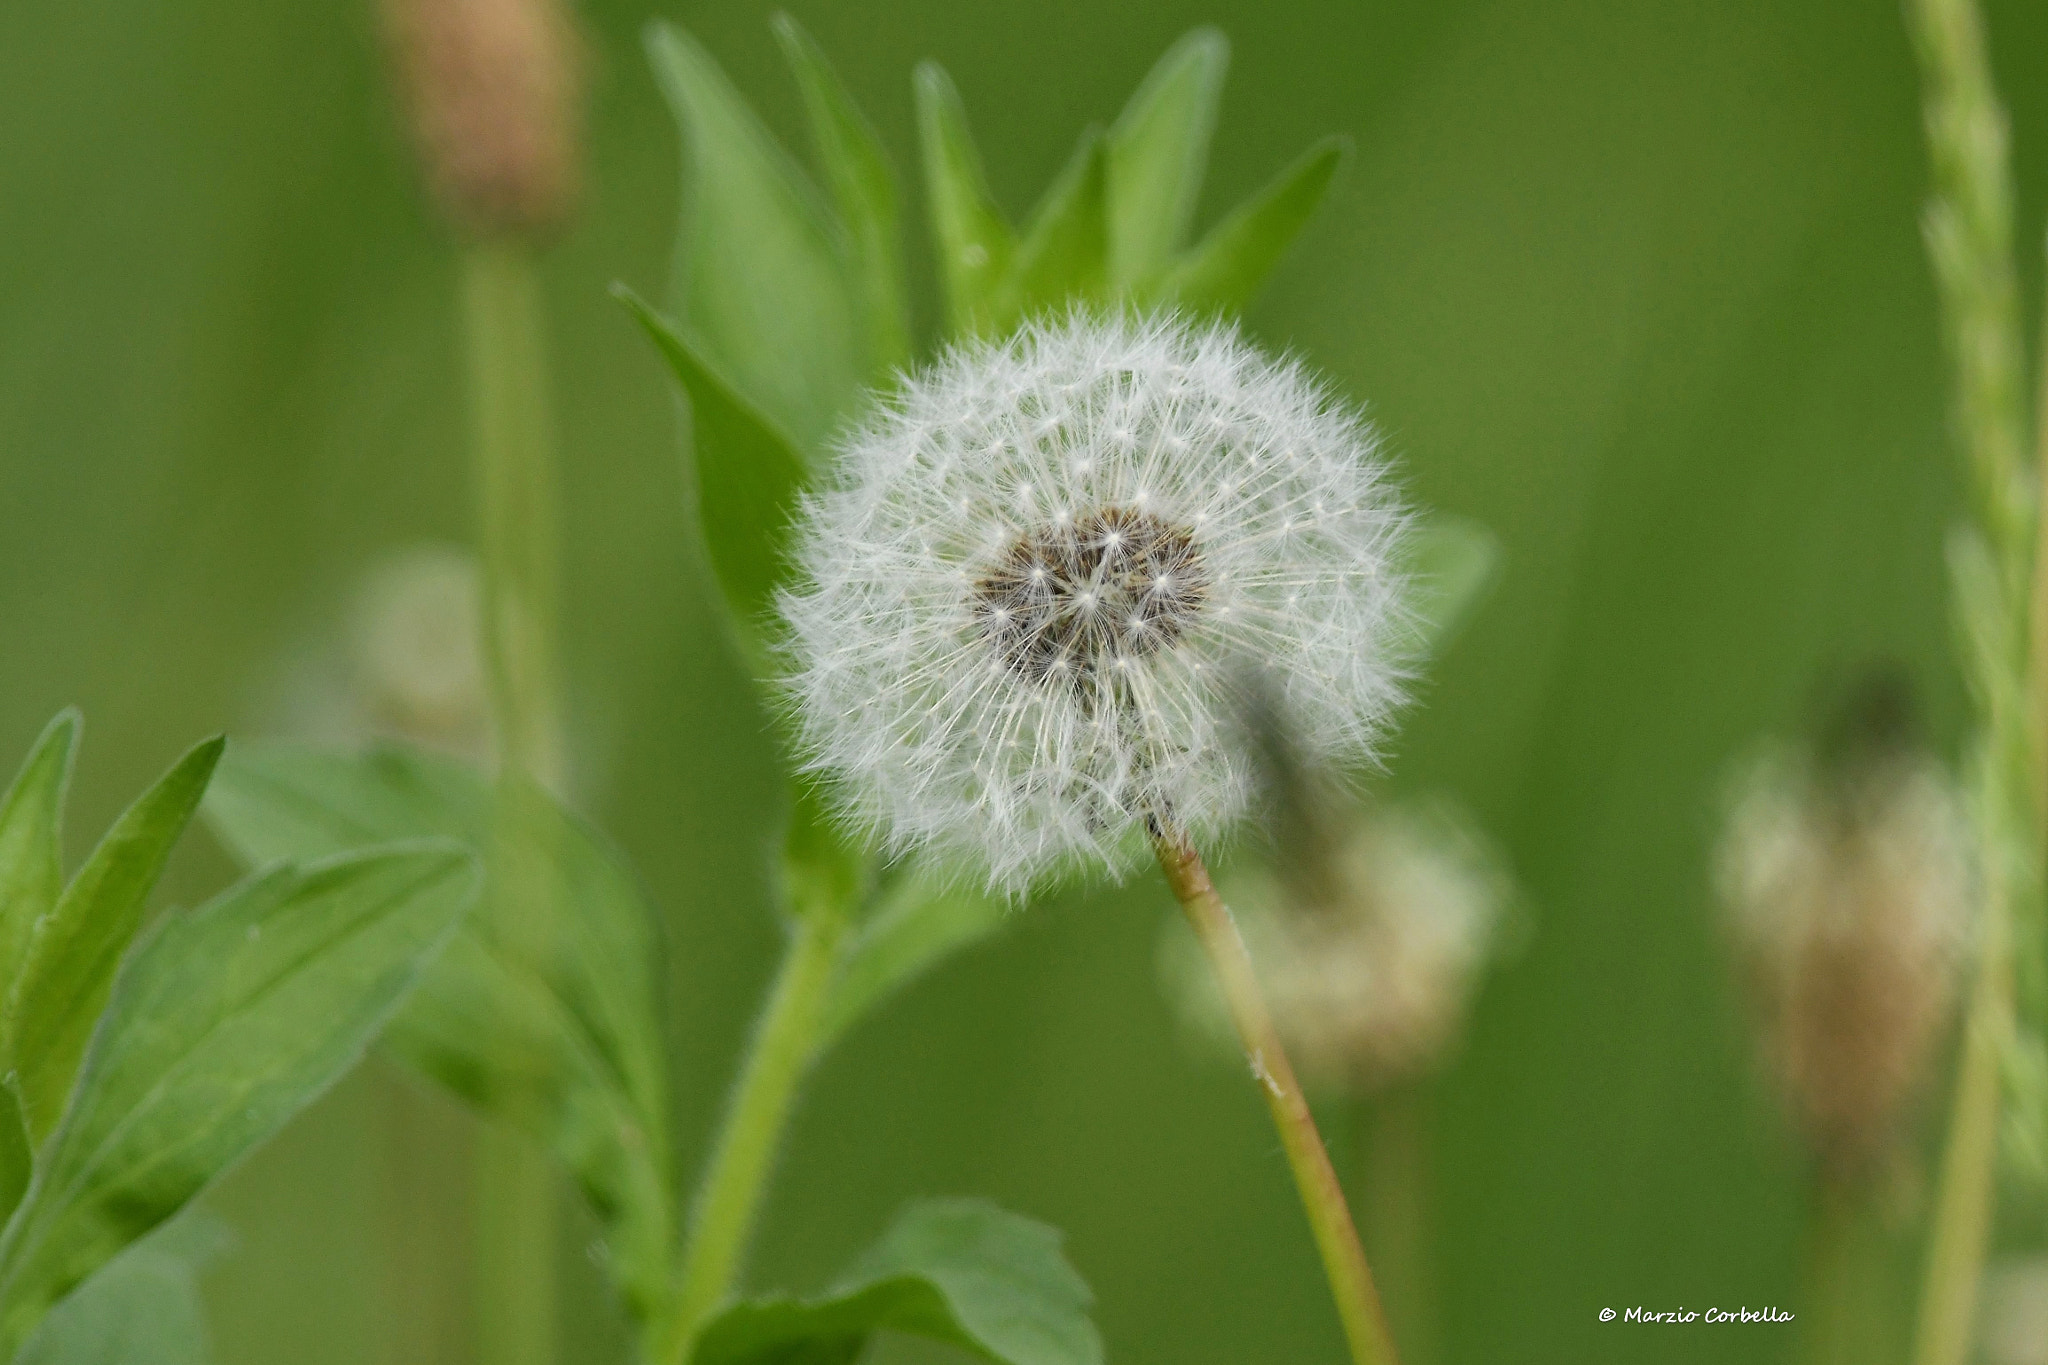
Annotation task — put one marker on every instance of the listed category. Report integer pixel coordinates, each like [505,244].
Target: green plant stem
[728,1198]
[1329,1217]
[1969,239]
[1844,1314]
[1393,1200]
[515,1214]
[514,474]
[1969,1167]
[424,1142]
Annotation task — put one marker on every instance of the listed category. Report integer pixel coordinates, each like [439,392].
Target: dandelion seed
[1020,690]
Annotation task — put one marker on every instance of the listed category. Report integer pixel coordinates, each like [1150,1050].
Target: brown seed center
[1081,599]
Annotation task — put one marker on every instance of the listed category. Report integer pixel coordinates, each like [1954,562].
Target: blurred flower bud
[1369,983]
[2014,1315]
[415,652]
[1845,876]
[491,86]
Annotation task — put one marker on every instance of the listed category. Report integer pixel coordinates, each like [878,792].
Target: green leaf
[73,951]
[1452,564]
[31,867]
[1157,153]
[143,1308]
[748,477]
[1064,252]
[973,240]
[761,268]
[17,1157]
[565,1041]
[1229,265]
[958,1271]
[223,1023]
[919,922]
[864,192]
[31,880]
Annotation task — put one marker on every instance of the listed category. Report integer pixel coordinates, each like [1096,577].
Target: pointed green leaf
[958,1271]
[73,952]
[972,238]
[761,279]
[1064,252]
[224,1022]
[1452,563]
[1158,151]
[564,1042]
[31,868]
[142,1308]
[31,880]
[919,923]
[748,477]
[1229,265]
[17,1158]
[864,192]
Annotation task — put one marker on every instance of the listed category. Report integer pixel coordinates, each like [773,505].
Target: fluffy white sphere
[1030,595]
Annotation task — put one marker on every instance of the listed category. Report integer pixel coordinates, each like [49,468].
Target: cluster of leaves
[560,1035]
[142,1060]
[789,304]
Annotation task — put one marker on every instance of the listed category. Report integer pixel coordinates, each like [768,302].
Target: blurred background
[1640,287]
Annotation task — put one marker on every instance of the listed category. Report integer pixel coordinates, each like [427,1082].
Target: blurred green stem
[729,1197]
[1842,1319]
[1393,1185]
[1969,238]
[1329,1217]
[514,1222]
[1969,1167]
[515,489]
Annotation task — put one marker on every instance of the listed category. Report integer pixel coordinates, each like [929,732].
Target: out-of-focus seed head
[398,657]
[1844,872]
[416,652]
[492,87]
[1369,982]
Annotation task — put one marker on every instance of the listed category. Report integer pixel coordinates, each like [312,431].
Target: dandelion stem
[729,1197]
[515,1209]
[1329,1217]
[1969,237]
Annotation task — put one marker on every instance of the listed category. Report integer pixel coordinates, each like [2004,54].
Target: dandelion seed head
[1010,658]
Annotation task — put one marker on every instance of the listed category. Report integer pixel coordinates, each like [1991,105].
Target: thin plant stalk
[1336,1236]
[2037,615]
[1969,237]
[515,1210]
[1830,1298]
[1846,1314]
[424,1144]
[728,1198]
[1962,1218]
[1392,1176]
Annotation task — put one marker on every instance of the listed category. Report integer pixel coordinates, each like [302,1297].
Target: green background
[1638,285]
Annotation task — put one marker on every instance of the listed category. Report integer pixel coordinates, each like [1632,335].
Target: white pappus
[1030,593]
